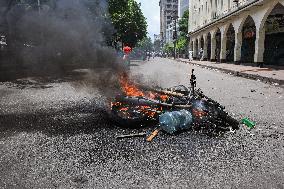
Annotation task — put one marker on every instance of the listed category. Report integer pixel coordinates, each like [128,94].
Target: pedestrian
[127,50]
[148,55]
[201,52]
[190,55]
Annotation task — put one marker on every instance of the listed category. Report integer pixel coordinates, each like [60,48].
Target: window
[206,7]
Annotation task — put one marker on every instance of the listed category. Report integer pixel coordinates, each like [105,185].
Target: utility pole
[175,38]
[175,17]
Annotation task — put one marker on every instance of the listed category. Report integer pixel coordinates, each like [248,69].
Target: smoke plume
[60,35]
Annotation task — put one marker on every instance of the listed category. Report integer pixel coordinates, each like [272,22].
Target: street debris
[248,123]
[173,110]
[153,135]
[131,135]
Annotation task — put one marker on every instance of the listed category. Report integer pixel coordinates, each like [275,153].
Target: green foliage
[182,44]
[168,48]
[145,44]
[128,20]
[183,24]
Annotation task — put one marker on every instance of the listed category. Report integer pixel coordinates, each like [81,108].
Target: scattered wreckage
[172,109]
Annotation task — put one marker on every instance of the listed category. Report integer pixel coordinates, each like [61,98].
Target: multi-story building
[168,11]
[169,33]
[240,31]
[183,5]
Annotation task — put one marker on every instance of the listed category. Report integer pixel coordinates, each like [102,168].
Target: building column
[213,48]
[223,47]
[198,46]
[259,46]
[205,52]
[191,45]
[238,47]
[194,54]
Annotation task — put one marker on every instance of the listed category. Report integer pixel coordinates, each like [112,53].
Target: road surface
[56,134]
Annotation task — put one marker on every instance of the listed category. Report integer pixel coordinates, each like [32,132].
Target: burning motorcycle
[173,109]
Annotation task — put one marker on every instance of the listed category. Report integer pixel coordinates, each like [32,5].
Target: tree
[145,44]
[128,20]
[169,48]
[182,42]
[183,24]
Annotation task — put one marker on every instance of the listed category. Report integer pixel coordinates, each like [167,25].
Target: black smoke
[60,35]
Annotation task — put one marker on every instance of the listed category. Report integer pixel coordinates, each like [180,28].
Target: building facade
[183,5]
[240,31]
[168,10]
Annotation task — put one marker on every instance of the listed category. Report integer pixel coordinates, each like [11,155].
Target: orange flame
[128,88]
[131,90]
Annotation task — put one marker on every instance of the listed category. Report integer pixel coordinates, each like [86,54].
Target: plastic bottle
[172,122]
[248,122]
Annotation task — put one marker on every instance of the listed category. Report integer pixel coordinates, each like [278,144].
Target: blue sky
[151,11]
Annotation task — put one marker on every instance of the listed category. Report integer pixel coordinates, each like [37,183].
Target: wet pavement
[57,134]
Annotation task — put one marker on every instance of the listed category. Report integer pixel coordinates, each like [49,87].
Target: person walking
[127,50]
[190,55]
[201,52]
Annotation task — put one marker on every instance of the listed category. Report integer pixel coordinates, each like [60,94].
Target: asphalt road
[56,134]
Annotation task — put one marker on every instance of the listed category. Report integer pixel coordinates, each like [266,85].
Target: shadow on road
[68,121]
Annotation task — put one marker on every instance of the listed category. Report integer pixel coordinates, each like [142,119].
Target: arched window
[274,38]
[248,40]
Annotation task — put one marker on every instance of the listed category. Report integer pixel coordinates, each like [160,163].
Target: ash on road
[56,135]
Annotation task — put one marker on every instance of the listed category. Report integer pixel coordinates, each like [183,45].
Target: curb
[239,74]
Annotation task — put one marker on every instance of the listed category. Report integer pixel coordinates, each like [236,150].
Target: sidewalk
[271,75]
